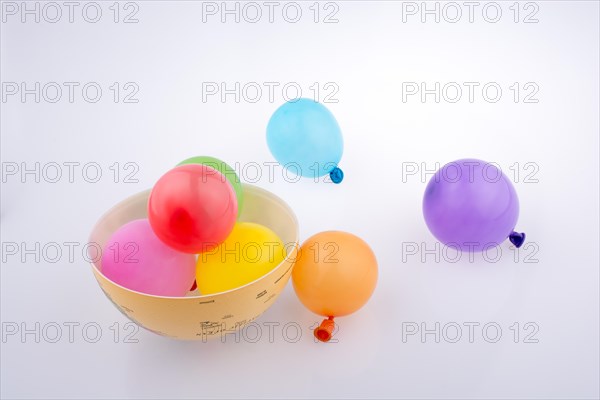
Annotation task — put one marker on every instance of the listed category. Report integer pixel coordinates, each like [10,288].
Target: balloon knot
[517,239]
[336,175]
[324,331]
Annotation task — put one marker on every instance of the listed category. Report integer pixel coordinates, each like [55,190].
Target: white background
[368,54]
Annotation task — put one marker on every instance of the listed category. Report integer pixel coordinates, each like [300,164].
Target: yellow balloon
[249,252]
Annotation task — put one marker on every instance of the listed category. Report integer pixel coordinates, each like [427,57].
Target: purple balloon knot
[517,239]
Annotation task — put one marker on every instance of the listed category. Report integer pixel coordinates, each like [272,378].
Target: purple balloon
[471,205]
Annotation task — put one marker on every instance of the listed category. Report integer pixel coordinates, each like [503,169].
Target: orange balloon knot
[324,331]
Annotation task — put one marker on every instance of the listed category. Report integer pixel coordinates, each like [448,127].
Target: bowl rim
[260,191]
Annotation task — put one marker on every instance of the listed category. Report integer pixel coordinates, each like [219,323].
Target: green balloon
[226,170]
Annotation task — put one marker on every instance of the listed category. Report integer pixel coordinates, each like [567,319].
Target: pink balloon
[135,258]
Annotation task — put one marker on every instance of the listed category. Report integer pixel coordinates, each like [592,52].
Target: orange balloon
[334,275]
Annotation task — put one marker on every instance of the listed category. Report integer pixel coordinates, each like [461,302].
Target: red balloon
[192,208]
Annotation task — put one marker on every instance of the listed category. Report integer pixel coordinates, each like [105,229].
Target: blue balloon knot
[336,175]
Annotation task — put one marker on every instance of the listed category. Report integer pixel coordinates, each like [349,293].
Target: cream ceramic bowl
[202,317]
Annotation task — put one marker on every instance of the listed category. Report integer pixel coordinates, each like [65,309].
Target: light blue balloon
[305,138]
